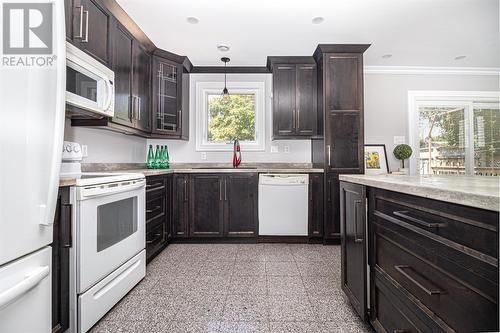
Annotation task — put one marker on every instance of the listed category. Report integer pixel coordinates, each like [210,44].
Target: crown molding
[422,70]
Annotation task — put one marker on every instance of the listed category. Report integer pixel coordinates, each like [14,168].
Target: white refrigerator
[32,103]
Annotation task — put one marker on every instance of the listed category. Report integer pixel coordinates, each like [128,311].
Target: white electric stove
[108,225]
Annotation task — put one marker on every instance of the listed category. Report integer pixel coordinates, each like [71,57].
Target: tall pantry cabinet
[339,145]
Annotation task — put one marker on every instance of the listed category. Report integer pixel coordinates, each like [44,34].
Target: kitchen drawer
[155,208]
[475,269]
[394,311]
[473,228]
[155,239]
[155,187]
[441,292]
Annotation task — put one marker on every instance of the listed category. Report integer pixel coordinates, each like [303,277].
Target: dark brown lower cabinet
[433,265]
[332,211]
[158,189]
[316,204]
[353,243]
[240,209]
[206,205]
[62,242]
[180,209]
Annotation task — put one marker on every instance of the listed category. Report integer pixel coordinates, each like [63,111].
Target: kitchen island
[430,247]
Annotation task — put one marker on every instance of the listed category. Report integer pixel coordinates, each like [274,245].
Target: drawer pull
[400,331]
[404,214]
[154,185]
[149,211]
[401,269]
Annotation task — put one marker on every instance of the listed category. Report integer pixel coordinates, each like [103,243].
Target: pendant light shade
[225,92]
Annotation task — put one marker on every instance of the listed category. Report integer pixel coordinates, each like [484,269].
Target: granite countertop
[195,168]
[475,191]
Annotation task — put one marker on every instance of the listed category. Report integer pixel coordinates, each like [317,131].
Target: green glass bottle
[162,158]
[151,158]
[157,157]
[167,158]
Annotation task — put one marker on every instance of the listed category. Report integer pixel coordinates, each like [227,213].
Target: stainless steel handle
[179,121]
[86,40]
[152,210]
[401,269]
[356,215]
[185,191]
[294,120]
[80,35]
[225,189]
[139,102]
[329,152]
[298,118]
[220,190]
[404,214]
[329,189]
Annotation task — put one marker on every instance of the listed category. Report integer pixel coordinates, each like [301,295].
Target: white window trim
[203,89]
[445,98]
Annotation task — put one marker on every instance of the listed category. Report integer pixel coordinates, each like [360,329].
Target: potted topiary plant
[402,152]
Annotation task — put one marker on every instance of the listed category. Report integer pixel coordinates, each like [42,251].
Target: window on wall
[239,115]
[455,133]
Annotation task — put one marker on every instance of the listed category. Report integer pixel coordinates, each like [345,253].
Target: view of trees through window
[445,140]
[231,117]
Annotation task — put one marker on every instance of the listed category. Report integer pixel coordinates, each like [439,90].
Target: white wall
[185,151]
[386,102]
[105,146]
[386,115]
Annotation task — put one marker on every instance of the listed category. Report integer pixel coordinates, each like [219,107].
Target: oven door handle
[112,188]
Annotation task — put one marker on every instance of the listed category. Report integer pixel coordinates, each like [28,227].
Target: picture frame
[375,159]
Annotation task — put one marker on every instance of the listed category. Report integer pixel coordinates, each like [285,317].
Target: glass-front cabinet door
[167,110]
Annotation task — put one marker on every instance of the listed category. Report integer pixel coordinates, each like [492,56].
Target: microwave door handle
[109,94]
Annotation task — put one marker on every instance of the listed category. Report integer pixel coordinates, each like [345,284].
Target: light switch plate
[286,149]
[203,155]
[274,149]
[399,140]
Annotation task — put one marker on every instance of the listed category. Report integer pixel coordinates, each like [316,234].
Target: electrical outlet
[203,155]
[399,140]
[85,151]
[286,149]
[274,149]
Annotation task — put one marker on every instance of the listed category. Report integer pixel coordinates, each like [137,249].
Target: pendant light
[225,92]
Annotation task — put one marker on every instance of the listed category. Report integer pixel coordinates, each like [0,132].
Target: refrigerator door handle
[29,282]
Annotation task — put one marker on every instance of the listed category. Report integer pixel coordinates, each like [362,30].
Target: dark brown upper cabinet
[88,25]
[339,146]
[141,63]
[294,98]
[170,107]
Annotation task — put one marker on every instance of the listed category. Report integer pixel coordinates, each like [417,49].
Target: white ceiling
[415,32]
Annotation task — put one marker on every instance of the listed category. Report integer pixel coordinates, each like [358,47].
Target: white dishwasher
[283,204]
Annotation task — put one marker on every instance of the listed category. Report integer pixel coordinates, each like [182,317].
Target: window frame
[205,88]
[465,99]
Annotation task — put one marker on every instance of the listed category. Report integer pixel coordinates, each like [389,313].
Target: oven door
[110,229]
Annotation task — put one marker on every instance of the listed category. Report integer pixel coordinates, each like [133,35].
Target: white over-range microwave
[89,84]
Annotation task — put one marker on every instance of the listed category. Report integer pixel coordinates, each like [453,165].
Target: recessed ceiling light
[460,57]
[223,48]
[318,20]
[192,20]
[387,56]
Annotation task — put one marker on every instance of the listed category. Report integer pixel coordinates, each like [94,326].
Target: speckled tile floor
[268,288]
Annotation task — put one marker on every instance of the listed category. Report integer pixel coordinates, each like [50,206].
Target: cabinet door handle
[225,189]
[86,40]
[401,269]
[329,190]
[185,191]
[329,153]
[179,121]
[220,190]
[80,34]
[356,215]
[404,214]
[139,102]
[298,118]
